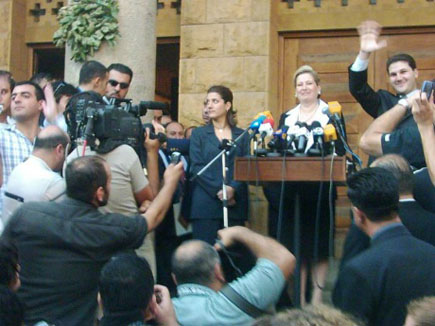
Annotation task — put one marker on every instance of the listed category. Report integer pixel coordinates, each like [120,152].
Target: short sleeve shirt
[200,305]
[128,178]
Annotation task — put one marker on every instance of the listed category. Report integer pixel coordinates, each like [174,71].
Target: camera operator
[92,86]
[131,191]
[120,77]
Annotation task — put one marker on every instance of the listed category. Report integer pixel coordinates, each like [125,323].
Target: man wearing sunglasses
[120,77]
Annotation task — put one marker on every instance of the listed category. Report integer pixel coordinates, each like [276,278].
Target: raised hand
[369,32]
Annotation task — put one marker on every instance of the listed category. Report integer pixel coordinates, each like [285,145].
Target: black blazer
[420,222]
[374,103]
[378,284]
[204,146]
[405,140]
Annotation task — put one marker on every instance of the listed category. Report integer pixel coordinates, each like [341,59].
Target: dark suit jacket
[424,190]
[405,139]
[378,284]
[420,222]
[204,146]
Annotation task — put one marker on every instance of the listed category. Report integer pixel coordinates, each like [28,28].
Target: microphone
[317,134]
[279,138]
[330,134]
[302,137]
[178,145]
[266,128]
[333,111]
[258,120]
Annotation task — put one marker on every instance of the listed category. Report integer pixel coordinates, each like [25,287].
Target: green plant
[85,24]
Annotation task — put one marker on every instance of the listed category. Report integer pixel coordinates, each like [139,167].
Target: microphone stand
[226,147]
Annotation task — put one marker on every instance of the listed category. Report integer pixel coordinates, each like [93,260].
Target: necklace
[309,117]
[221,130]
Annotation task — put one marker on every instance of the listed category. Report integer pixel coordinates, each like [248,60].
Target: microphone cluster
[299,140]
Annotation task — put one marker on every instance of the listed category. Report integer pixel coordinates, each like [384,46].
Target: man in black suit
[419,221]
[394,130]
[378,284]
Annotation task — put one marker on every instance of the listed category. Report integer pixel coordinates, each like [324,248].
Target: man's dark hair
[122,69]
[61,88]
[11,308]
[38,90]
[401,57]
[8,263]
[40,76]
[51,141]
[375,191]
[126,284]
[83,176]
[8,76]
[400,168]
[197,266]
[90,70]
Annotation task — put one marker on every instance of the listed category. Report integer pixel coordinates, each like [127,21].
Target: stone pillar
[136,48]
[229,43]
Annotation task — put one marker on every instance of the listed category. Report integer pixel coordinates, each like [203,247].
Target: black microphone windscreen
[153,105]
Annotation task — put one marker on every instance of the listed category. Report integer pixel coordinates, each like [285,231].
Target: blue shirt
[202,306]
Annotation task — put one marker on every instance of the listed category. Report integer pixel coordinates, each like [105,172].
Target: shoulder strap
[241,302]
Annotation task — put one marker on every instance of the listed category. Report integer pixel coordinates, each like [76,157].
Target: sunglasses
[115,83]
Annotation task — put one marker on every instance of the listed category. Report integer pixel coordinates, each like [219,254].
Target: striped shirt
[14,149]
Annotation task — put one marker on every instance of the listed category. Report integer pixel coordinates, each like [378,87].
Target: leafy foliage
[85,24]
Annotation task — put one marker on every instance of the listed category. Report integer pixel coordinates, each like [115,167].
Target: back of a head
[8,263]
[11,308]
[421,312]
[194,262]
[375,191]
[90,70]
[50,137]
[311,315]
[400,168]
[41,78]
[61,88]
[126,284]
[83,176]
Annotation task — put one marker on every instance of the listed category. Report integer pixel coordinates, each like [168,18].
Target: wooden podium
[296,169]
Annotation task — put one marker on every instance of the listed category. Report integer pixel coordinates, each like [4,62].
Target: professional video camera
[106,126]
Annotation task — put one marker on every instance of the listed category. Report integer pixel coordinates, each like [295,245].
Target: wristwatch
[404,102]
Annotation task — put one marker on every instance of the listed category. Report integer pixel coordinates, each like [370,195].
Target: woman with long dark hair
[205,144]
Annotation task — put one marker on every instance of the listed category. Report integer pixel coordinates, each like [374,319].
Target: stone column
[136,48]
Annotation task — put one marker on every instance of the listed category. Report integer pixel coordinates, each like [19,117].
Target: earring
[296,96]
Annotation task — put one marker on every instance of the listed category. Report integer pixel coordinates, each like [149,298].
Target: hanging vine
[85,25]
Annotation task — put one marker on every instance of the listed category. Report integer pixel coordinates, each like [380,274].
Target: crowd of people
[107,233]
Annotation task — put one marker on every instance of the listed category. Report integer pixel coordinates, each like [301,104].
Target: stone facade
[224,42]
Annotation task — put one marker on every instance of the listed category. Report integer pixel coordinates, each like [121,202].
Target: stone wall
[224,42]
[13,51]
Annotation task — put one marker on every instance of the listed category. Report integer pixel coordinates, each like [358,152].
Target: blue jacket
[204,146]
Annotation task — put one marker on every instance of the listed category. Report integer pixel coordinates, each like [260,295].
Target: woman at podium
[315,227]
[205,143]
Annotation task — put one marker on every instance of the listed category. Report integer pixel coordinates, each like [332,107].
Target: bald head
[194,262]
[49,137]
[401,169]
